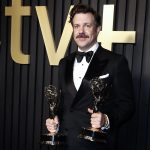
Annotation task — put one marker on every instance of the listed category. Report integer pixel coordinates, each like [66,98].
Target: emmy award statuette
[98,87]
[52,96]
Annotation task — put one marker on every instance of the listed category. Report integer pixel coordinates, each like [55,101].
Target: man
[75,73]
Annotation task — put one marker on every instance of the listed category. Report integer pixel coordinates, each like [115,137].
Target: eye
[76,26]
[88,25]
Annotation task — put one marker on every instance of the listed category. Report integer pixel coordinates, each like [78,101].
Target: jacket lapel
[69,75]
[97,65]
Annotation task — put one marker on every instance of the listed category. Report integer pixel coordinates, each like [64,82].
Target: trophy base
[53,139]
[94,135]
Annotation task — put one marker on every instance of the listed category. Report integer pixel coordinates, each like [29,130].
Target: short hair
[80,8]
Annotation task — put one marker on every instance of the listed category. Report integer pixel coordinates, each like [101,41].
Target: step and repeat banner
[35,35]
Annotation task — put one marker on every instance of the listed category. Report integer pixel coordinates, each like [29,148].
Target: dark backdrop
[23,109]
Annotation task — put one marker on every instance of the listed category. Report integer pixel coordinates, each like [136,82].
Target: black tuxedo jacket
[118,104]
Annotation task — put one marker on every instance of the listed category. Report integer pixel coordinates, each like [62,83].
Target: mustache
[82,35]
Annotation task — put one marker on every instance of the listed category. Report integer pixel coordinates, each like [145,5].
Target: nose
[81,29]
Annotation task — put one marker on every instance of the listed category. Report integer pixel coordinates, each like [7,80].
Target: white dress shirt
[80,68]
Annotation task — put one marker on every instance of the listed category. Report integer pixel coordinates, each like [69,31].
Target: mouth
[81,39]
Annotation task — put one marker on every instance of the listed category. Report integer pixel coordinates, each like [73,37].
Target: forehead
[83,18]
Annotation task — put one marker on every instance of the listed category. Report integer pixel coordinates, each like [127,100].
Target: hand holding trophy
[98,87]
[52,96]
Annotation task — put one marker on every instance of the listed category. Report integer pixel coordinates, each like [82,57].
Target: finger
[96,115]
[90,110]
[51,130]
[56,120]
[49,122]
[95,124]
[95,120]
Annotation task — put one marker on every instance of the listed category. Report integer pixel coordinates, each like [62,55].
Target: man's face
[85,31]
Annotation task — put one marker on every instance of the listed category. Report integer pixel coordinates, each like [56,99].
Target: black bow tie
[80,55]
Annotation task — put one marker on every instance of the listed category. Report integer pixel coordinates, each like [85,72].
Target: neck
[88,48]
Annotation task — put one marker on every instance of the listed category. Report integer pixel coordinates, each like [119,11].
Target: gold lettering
[54,55]
[107,36]
[16,11]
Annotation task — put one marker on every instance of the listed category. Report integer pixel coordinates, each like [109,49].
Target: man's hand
[52,124]
[98,119]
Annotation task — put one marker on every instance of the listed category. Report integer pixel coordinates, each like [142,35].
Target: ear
[98,29]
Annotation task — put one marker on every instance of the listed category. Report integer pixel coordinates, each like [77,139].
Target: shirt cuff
[106,126]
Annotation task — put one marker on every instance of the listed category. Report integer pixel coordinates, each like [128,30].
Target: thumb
[56,120]
[90,111]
